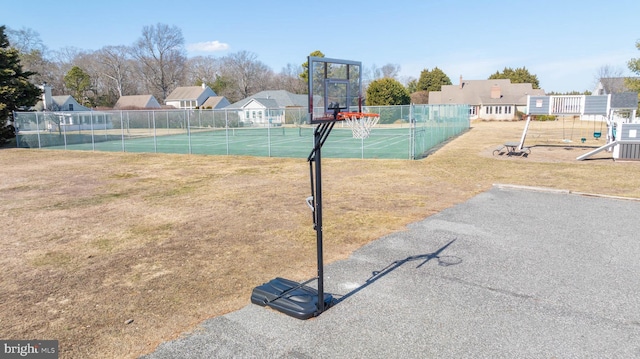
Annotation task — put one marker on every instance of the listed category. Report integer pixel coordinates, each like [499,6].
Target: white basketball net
[361,124]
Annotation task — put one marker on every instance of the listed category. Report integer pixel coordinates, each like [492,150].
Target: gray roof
[266,102]
[610,85]
[282,99]
[626,100]
[479,92]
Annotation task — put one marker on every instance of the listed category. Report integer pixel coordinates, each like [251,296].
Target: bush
[545,118]
[7,133]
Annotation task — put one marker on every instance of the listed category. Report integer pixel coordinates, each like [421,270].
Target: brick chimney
[47,99]
[495,91]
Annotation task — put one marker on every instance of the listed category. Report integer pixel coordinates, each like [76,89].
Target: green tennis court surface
[283,141]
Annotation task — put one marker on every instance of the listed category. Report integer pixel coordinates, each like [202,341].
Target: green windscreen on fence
[403,132]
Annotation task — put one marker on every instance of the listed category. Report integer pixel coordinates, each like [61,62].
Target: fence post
[93,141]
[38,130]
[188,119]
[155,132]
[269,132]
[122,131]
[226,128]
[412,133]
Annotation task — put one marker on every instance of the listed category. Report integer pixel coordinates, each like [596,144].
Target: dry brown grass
[91,241]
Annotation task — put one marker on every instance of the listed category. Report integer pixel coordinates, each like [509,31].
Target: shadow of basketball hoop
[443,261]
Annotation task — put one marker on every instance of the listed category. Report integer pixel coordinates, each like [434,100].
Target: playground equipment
[334,86]
[616,111]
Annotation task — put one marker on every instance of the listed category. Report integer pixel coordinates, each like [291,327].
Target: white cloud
[207,46]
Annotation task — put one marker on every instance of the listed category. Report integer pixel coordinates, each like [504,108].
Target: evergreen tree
[15,89]
[432,80]
[518,76]
[386,92]
[79,83]
[305,66]
[633,84]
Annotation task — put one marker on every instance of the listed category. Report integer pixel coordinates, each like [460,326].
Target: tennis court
[392,139]
[272,142]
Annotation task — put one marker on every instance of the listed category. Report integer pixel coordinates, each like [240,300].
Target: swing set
[596,134]
[609,107]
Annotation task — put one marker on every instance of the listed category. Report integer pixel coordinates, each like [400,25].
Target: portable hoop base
[292,298]
[289,297]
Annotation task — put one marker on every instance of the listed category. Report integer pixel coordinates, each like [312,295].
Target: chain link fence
[403,132]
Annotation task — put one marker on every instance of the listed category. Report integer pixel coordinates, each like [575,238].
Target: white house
[64,113]
[57,103]
[260,112]
[269,107]
[496,99]
[189,97]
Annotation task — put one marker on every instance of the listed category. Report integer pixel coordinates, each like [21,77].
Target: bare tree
[25,40]
[64,60]
[289,79]
[370,74]
[202,69]
[390,70]
[116,68]
[32,55]
[374,73]
[247,74]
[161,58]
[610,78]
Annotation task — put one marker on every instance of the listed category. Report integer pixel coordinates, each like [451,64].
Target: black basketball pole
[320,135]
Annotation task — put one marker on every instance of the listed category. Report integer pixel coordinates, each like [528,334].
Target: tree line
[156,63]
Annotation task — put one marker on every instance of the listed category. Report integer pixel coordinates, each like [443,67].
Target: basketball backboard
[334,86]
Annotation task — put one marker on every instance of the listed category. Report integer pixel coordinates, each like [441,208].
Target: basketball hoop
[360,123]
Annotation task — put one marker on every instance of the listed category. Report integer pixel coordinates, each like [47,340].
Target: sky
[564,42]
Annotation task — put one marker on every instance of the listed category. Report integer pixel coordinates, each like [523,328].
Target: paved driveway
[511,273]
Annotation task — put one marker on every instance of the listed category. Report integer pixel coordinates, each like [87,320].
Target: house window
[253,114]
[498,109]
[246,115]
[473,110]
[489,110]
[188,104]
[260,115]
[70,107]
[507,109]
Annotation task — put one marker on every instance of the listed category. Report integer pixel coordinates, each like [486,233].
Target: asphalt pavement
[511,273]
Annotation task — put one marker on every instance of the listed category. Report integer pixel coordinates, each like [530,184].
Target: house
[57,103]
[261,111]
[63,113]
[215,102]
[611,85]
[497,99]
[271,107]
[137,102]
[189,97]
